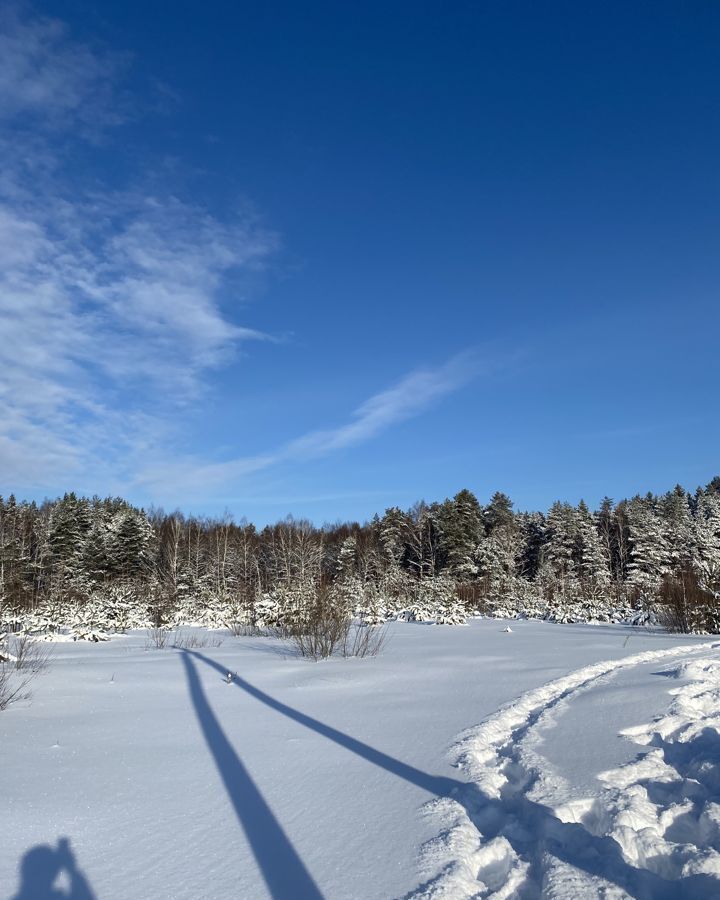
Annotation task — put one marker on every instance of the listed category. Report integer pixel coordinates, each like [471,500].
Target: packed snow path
[509,835]
[304,781]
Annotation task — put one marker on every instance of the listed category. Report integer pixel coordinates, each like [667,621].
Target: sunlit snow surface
[462,762]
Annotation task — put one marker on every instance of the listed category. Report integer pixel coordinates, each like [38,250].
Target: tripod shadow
[568,841]
[41,868]
[282,869]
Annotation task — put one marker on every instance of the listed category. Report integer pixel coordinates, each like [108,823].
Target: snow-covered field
[559,761]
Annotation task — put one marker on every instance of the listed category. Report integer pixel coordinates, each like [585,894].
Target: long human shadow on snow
[568,841]
[284,872]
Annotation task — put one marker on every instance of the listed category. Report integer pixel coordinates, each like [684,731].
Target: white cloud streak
[408,398]
[114,304]
[411,396]
[100,292]
[50,79]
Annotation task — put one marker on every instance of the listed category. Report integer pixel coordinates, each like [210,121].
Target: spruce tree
[462,528]
[649,557]
[592,559]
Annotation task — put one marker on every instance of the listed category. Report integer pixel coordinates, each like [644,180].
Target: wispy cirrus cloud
[48,80]
[118,301]
[412,395]
[103,288]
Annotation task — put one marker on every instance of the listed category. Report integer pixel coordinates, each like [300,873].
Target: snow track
[657,820]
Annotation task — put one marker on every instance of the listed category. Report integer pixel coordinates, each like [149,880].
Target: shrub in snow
[452,614]
[241,623]
[416,613]
[686,605]
[642,617]
[318,619]
[473,595]
[364,640]
[91,635]
[27,653]
[364,598]
[323,633]
[398,585]
[21,658]
[268,611]
[435,600]
[195,641]
[11,687]
[287,607]
[157,637]
[506,612]
[240,615]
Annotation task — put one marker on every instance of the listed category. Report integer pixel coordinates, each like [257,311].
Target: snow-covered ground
[461,762]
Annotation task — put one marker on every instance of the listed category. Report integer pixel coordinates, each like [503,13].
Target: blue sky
[325,258]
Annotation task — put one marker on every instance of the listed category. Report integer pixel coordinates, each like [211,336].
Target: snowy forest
[93,565]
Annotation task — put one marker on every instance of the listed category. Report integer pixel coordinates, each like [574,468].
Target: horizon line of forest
[621,556]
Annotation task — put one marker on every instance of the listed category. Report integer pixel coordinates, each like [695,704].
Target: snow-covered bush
[452,614]
[323,633]
[365,599]
[318,618]
[642,617]
[434,600]
[396,586]
[287,607]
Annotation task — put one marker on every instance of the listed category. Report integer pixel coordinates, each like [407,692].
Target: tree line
[97,557]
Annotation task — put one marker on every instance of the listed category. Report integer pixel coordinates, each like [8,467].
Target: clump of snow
[664,808]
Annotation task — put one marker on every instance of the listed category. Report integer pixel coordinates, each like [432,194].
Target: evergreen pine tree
[70,523]
[347,558]
[593,562]
[649,555]
[393,529]
[462,528]
[499,511]
[131,542]
[560,550]
[707,538]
